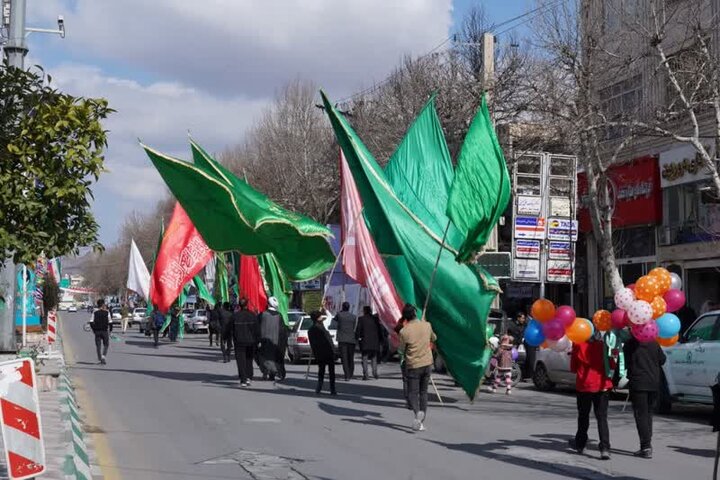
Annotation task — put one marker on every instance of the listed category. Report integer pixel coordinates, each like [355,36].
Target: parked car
[187,314]
[198,322]
[294,316]
[299,343]
[693,364]
[138,316]
[552,368]
[116,316]
[72,309]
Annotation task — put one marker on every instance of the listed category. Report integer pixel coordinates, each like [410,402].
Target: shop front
[637,210]
[689,238]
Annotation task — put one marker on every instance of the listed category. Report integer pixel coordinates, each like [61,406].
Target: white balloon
[562,345]
[624,298]
[676,281]
[640,312]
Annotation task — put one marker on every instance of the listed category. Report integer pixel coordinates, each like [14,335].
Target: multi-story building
[666,211]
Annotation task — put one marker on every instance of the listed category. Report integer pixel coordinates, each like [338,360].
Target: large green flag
[461,295]
[276,282]
[481,190]
[232,216]
[203,291]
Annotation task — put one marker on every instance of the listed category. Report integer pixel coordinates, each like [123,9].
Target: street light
[59,31]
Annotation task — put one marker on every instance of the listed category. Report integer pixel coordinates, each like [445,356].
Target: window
[622,99]
[634,242]
[619,12]
[705,329]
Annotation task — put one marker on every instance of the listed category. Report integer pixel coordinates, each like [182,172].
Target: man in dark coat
[369,336]
[245,333]
[101,327]
[226,331]
[322,348]
[643,361]
[272,337]
[174,326]
[346,339]
[214,324]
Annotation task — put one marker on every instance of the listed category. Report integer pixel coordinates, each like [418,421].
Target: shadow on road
[698,452]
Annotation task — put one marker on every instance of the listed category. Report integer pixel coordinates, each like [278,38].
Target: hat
[272,303]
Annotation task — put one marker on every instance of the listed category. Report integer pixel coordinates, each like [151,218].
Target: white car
[299,343]
[137,316]
[116,316]
[552,368]
[693,364]
[72,308]
[198,322]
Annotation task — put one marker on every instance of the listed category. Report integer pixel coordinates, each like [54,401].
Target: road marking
[261,420]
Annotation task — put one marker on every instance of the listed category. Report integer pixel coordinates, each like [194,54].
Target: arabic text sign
[526,269]
[559,271]
[527,249]
[529,228]
[529,205]
[559,250]
[559,229]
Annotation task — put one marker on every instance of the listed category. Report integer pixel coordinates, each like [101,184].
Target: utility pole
[16,47]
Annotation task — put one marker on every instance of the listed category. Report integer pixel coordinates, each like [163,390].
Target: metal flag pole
[24,305]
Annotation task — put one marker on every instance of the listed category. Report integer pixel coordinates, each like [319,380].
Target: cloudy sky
[210,66]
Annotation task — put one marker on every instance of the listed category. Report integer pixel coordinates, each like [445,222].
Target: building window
[634,242]
[621,100]
[619,12]
[691,214]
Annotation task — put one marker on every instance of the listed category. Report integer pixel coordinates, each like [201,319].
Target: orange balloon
[579,331]
[668,342]
[659,307]
[602,319]
[647,288]
[544,344]
[543,310]
[663,278]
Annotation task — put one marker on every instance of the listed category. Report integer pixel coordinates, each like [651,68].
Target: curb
[77,459]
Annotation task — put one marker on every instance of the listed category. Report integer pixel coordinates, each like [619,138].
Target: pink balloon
[619,318]
[640,312]
[631,287]
[647,332]
[554,329]
[566,315]
[674,299]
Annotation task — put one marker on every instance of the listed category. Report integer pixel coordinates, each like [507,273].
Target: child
[504,359]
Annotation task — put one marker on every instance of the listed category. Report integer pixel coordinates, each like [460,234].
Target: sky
[210,67]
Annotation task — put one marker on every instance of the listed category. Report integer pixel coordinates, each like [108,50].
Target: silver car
[299,343]
[198,322]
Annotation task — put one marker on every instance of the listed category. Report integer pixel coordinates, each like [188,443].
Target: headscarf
[272,303]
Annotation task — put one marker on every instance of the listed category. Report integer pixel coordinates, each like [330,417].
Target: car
[552,369]
[198,322]
[187,314]
[116,316]
[299,343]
[72,309]
[692,365]
[294,316]
[138,316]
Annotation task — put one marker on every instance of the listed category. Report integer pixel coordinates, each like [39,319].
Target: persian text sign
[527,249]
[529,205]
[562,229]
[526,269]
[559,250]
[559,271]
[529,228]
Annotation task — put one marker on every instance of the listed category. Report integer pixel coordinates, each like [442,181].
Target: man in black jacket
[214,324]
[643,361]
[322,348]
[246,334]
[102,326]
[346,322]
[368,335]
[226,331]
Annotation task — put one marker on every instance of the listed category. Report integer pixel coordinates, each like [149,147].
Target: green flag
[481,189]
[461,296]
[277,284]
[203,291]
[221,279]
[232,216]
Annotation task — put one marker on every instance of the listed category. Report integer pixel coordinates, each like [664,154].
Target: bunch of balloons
[647,307]
[557,327]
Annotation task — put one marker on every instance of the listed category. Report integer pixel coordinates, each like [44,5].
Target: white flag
[138,275]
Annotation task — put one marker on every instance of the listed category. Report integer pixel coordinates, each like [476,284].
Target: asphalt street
[177,412]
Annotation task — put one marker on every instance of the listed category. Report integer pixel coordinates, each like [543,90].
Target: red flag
[251,285]
[182,254]
[361,259]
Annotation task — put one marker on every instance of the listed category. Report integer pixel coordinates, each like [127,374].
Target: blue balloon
[533,334]
[668,325]
[515,354]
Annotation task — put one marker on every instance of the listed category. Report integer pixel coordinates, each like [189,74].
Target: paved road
[176,412]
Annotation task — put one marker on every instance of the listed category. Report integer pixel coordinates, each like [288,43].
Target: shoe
[492,390]
[334,393]
[605,454]
[421,428]
[317,392]
[244,385]
[417,422]
[377,377]
[103,361]
[508,392]
[643,453]
[264,377]
[573,444]
[365,379]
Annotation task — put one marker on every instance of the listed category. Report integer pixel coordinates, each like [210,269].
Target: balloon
[668,342]
[515,354]
[645,332]
[580,331]
[659,307]
[668,325]
[631,287]
[674,300]
[543,310]
[545,344]
[566,315]
[534,334]
[663,277]
[640,312]
[554,329]
[647,288]
[676,281]
[602,319]
[619,318]
[624,298]
[562,345]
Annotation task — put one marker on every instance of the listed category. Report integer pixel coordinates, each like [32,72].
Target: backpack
[158,320]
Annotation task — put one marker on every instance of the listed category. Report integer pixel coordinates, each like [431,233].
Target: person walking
[226,331]
[214,324]
[322,348]
[124,313]
[271,326]
[369,337]
[593,386]
[157,320]
[101,327]
[174,323]
[346,322]
[643,361]
[245,334]
[415,343]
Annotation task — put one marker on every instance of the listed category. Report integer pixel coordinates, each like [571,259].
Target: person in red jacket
[593,386]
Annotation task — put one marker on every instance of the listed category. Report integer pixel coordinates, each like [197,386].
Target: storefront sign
[527,249]
[526,269]
[635,194]
[559,207]
[682,165]
[559,271]
[562,229]
[529,228]
[559,250]
[529,205]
